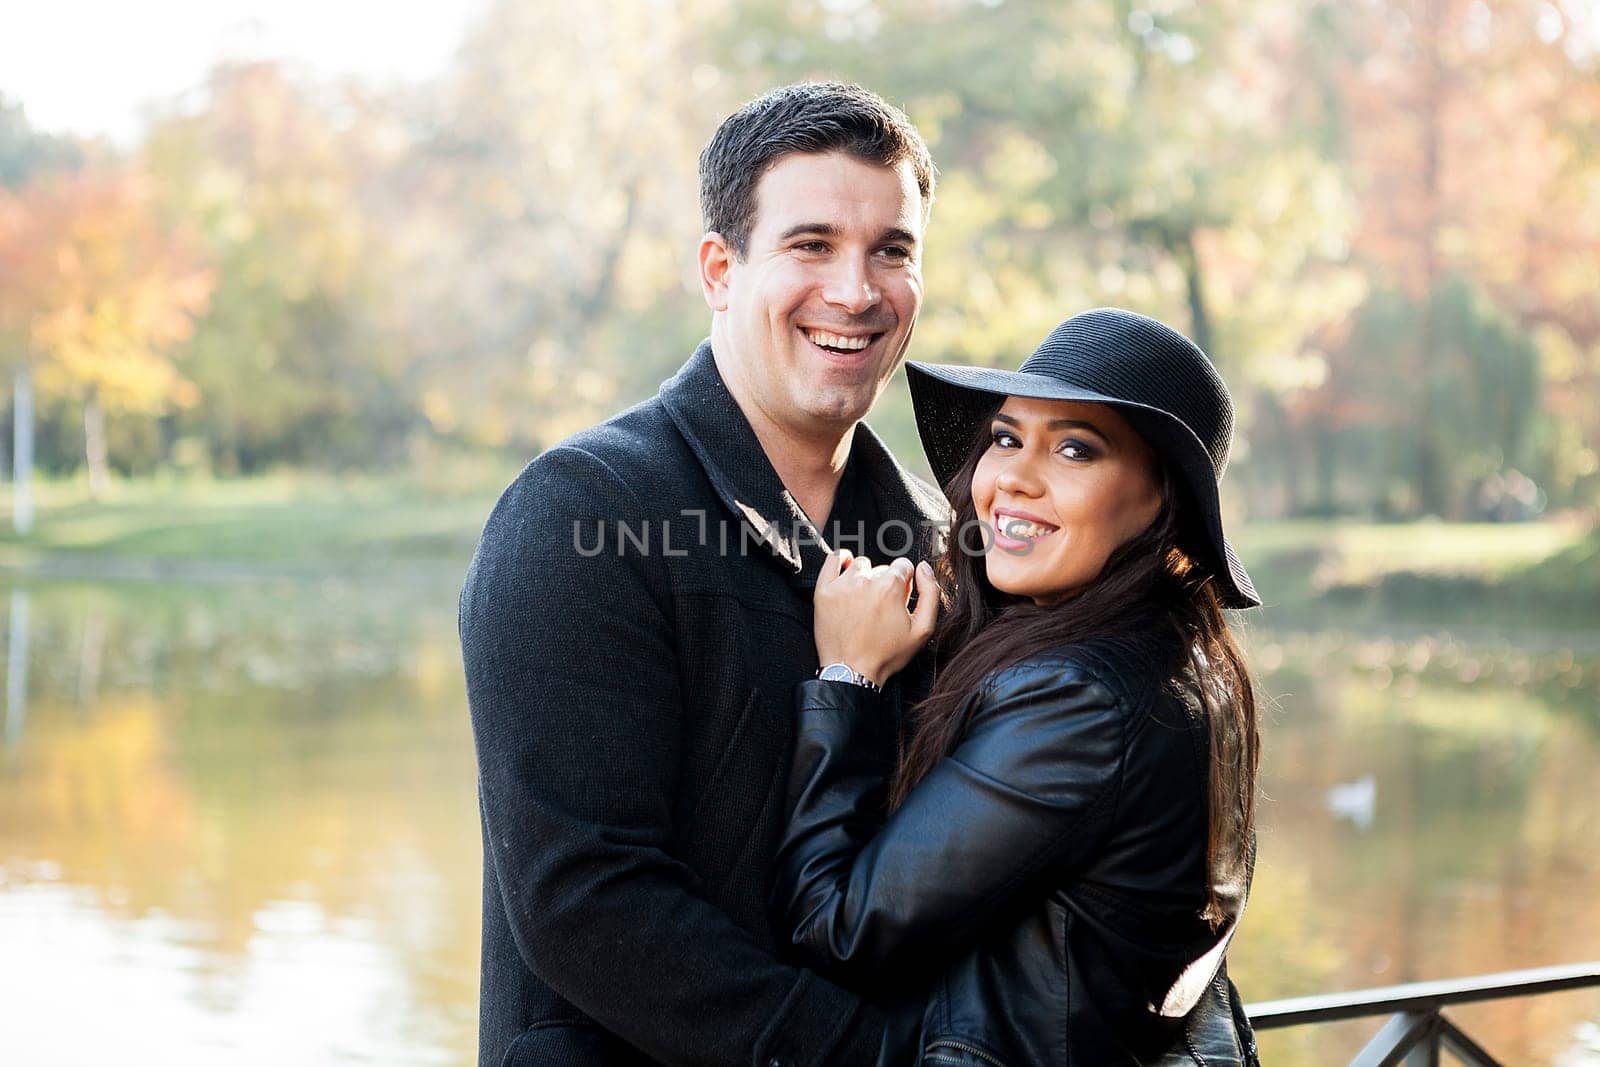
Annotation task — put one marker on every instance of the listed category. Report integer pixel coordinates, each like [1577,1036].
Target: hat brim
[953,403]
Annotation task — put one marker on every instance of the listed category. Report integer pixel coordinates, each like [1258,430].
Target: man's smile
[840,344]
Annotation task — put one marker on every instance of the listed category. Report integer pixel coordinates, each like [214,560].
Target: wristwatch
[843,672]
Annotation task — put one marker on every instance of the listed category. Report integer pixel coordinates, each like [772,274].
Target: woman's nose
[1020,476]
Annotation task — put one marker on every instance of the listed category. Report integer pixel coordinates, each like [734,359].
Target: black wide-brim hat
[1156,378]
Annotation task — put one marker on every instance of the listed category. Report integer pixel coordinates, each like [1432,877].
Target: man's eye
[812,246]
[895,252]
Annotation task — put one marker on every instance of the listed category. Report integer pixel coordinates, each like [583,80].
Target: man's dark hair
[810,117]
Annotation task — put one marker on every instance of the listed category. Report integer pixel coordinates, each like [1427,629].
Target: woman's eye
[1004,439]
[1074,449]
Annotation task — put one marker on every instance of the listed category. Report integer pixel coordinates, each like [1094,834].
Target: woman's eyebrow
[1059,424]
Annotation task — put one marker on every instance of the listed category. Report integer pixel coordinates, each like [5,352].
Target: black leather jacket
[1037,898]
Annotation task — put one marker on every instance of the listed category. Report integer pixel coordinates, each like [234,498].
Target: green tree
[25,151]
[295,359]
[1485,403]
[550,241]
[1162,157]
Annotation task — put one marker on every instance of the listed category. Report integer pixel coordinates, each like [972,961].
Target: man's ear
[716,259]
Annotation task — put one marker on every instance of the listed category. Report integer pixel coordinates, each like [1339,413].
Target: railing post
[1400,1041]
[1425,1053]
[1466,1049]
[1417,1031]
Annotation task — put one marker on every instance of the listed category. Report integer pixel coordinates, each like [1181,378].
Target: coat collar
[700,405]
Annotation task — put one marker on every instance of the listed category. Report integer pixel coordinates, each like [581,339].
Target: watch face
[837,672]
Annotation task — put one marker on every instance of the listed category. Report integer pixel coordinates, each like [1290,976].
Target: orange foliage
[1466,143]
[97,293]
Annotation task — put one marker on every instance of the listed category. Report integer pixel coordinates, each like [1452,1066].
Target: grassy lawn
[283,522]
[1361,552]
[1518,571]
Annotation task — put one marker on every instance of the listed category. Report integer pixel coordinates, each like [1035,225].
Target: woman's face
[1062,485]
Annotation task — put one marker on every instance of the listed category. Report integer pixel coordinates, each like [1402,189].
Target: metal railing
[1417,1030]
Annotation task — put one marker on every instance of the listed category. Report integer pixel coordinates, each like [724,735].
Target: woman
[1069,839]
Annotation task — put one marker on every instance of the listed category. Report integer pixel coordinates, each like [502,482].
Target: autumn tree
[24,152]
[1380,220]
[1460,123]
[99,296]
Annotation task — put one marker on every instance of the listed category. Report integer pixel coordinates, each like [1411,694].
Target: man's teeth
[1024,530]
[833,340]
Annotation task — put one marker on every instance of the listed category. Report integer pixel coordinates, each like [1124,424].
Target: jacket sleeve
[1031,785]
[577,719]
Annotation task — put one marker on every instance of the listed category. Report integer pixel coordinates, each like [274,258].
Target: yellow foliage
[99,294]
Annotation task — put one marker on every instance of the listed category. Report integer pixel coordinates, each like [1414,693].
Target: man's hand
[861,617]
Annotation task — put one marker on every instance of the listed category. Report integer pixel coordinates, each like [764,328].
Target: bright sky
[91,67]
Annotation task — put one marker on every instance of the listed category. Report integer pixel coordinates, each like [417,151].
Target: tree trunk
[1327,466]
[22,451]
[1281,441]
[17,669]
[1199,315]
[94,445]
[1433,493]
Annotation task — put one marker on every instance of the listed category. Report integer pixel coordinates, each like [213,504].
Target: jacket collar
[700,405]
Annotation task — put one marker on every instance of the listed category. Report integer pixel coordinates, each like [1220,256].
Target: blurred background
[289,292]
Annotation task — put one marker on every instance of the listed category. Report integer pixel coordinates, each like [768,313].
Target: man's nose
[851,289]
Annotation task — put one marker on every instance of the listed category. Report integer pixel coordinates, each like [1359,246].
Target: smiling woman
[1070,830]
[1062,484]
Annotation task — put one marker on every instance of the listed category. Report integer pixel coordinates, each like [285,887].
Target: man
[638,613]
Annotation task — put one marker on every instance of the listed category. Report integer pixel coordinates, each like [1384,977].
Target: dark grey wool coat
[632,645]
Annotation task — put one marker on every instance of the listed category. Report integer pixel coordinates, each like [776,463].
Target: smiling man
[814,277]
[639,611]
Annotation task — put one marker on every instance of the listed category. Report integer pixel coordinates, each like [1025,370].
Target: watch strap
[843,672]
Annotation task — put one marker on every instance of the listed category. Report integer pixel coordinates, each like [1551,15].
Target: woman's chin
[1024,586]
[1027,584]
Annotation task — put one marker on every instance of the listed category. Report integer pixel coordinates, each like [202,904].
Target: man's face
[816,317]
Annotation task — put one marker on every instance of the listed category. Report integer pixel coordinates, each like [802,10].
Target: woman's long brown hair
[1148,584]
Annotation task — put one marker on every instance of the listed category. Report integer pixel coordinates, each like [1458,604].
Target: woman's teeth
[1023,530]
[833,340]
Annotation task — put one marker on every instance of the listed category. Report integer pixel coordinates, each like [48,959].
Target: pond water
[238,825]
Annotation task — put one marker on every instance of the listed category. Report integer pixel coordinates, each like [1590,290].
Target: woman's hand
[860,615]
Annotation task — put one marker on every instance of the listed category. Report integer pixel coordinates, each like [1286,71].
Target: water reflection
[1356,801]
[1479,854]
[17,667]
[240,820]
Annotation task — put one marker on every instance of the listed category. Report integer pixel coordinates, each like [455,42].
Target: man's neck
[810,469]
[810,465]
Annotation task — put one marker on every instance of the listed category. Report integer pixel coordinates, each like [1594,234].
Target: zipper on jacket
[962,1047]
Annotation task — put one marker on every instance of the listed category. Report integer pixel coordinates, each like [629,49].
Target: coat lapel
[700,405]
[710,420]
